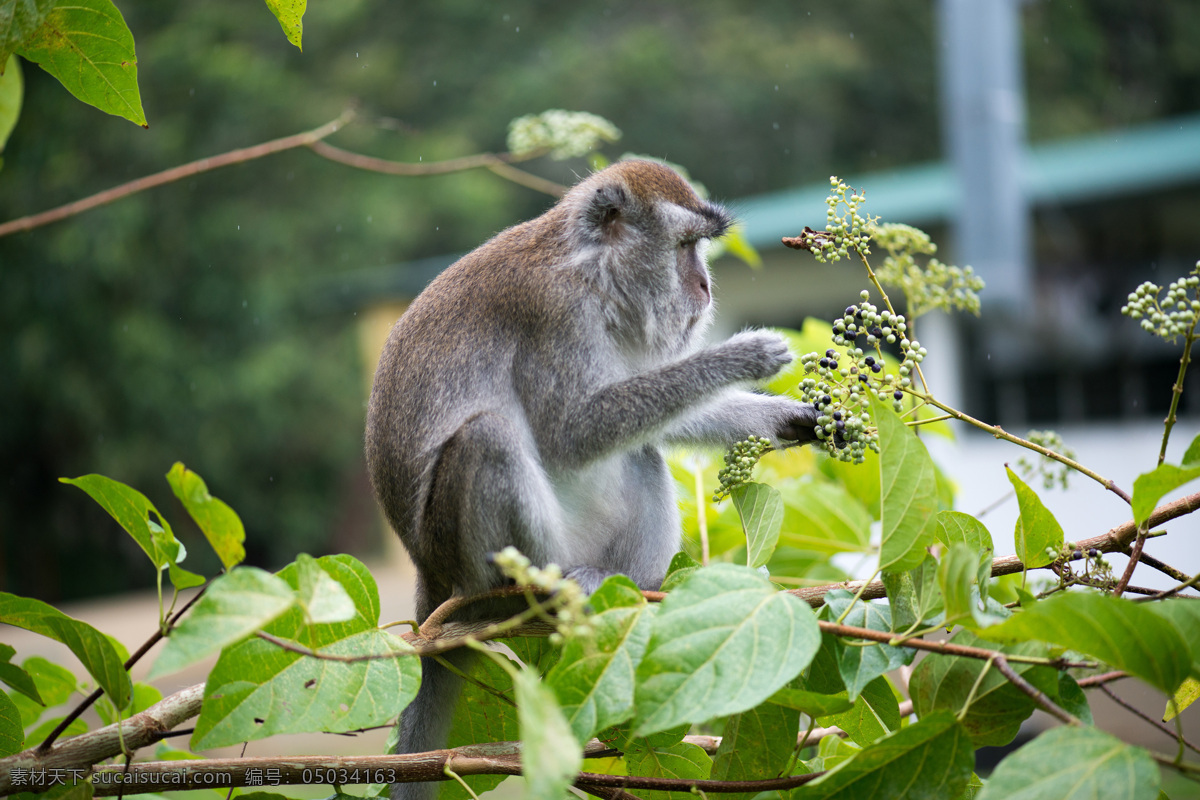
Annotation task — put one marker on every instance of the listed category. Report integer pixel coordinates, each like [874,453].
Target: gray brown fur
[524,397]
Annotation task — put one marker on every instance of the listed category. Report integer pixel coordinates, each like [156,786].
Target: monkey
[525,396]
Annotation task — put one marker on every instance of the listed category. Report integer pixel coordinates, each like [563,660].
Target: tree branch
[1037,695]
[176,173]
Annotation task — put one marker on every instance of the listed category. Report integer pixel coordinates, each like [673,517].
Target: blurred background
[216,320]
[228,321]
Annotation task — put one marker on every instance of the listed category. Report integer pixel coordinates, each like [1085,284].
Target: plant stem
[1035,694]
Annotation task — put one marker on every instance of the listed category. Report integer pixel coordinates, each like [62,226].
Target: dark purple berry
[858,313]
[851,310]
[863,377]
[899,395]
[824,363]
[831,353]
[826,400]
[876,368]
[870,361]
[841,426]
[877,332]
[837,415]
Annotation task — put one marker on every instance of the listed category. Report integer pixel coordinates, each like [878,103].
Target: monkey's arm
[643,406]
[736,414]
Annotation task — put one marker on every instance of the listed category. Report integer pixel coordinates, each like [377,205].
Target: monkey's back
[451,356]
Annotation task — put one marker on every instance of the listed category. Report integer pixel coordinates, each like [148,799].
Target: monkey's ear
[606,207]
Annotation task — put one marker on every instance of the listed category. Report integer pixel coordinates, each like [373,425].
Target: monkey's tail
[425,723]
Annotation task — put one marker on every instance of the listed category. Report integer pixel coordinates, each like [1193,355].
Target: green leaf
[1073,699]
[90,646]
[909,495]
[1150,487]
[665,755]
[1184,696]
[931,758]
[12,92]
[322,597]
[132,510]
[944,683]
[235,606]
[55,685]
[812,703]
[962,589]
[1074,763]
[955,527]
[755,743]
[258,689]
[217,521]
[761,511]
[15,677]
[696,665]
[18,20]
[825,518]
[914,595]
[550,756]
[737,245]
[12,732]
[860,480]
[876,712]
[1127,635]
[480,716]
[682,565]
[861,665]
[290,14]
[594,678]
[88,47]
[1037,530]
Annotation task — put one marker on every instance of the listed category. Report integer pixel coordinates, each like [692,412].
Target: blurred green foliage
[213,320]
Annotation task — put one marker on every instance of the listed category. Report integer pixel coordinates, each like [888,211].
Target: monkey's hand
[756,354]
[799,426]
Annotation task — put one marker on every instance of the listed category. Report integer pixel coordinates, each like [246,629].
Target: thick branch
[80,752]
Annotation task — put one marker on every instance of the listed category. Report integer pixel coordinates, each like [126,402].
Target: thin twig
[1102,678]
[1038,696]
[1167,569]
[1142,715]
[197,167]
[45,746]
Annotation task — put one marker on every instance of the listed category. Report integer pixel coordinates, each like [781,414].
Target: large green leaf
[825,518]
[955,527]
[90,646]
[1127,635]
[962,587]
[908,491]
[756,743]
[944,683]
[1038,535]
[55,685]
[133,510]
[88,47]
[876,712]
[721,643]
[550,756]
[761,511]
[217,521]
[931,758]
[258,689]
[235,606]
[322,598]
[18,20]
[1150,487]
[290,14]
[12,732]
[1074,763]
[594,678]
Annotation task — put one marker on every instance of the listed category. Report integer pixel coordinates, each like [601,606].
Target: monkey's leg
[425,723]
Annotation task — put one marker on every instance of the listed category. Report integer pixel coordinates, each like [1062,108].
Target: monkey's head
[643,232]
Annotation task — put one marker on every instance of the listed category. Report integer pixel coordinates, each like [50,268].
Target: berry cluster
[739,462]
[841,389]
[1177,315]
[1052,472]
[570,615]
[845,230]
[565,134]
[926,287]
